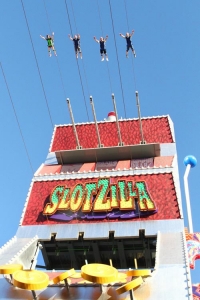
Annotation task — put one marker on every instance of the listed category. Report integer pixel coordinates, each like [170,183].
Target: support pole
[139,116]
[95,121]
[34,295]
[117,122]
[66,284]
[73,123]
[190,162]
[34,259]
[131,295]
[135,263]
[187,198]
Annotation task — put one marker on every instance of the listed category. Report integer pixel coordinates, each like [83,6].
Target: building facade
[105,196]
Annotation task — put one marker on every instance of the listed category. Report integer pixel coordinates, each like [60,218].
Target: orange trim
[88,167]
[49,169]
[123,164]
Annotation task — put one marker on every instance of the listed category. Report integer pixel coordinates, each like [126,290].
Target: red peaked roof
[155,130]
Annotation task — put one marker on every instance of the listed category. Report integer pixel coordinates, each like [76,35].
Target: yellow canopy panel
[30,280]
[99,273]
[10,269]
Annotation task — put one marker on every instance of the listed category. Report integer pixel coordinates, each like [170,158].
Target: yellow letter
[102,202]
[55,197]
[76,198]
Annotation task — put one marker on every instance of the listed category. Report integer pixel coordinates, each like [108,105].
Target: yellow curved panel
[63,276]
[10,269]
[142,273]
[122,277]
[76,275]
[99,273]
[84,281]
[129,286]
[30,280]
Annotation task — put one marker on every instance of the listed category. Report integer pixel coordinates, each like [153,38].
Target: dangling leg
[49,51]
[101,52]
[127,48]
[106,55]
[54,50]
[80,53]
[133,50]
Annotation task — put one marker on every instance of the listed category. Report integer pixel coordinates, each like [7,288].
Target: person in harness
[50,43]
[103,51]
[128,42]
[77,45]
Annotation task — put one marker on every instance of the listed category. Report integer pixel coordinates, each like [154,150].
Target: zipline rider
[128,42]
[50,43]
[103,51]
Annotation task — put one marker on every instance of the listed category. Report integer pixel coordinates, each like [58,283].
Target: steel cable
[109,77]
[117,59]
[81,50]
[77,63]
[134,78]
[17,120]
[37,63]
[57,61]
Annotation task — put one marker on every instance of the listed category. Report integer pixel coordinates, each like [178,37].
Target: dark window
[124,253]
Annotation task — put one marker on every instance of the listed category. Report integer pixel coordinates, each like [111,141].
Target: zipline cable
[107,65]
[37,64]
[57,61]
[17,120]
[77,63]
[103,35]
[132,55]
[20,130]
[48,21]
[137,205]
[49,24]
[117,59]
[81,50]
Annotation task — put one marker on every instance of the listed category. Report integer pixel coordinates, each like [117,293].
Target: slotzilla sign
[99,200]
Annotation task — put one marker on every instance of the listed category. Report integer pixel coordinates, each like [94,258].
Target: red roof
[112,113]
[155,130]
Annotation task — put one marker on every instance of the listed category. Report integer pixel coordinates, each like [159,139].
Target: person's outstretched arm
[132,32]
[52,36]
[70,37]
[96,39]
[122,35]
[106,38]
[43,37]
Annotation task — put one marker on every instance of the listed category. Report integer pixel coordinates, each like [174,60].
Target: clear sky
[166,72]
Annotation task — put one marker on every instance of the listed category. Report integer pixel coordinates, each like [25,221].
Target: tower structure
[105,196]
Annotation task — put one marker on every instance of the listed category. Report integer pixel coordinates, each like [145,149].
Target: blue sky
[166,72]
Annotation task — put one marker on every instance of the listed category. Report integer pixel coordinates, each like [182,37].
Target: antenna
[139,116]
[190,162]
[95,121]
[73,124]
[117,122]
